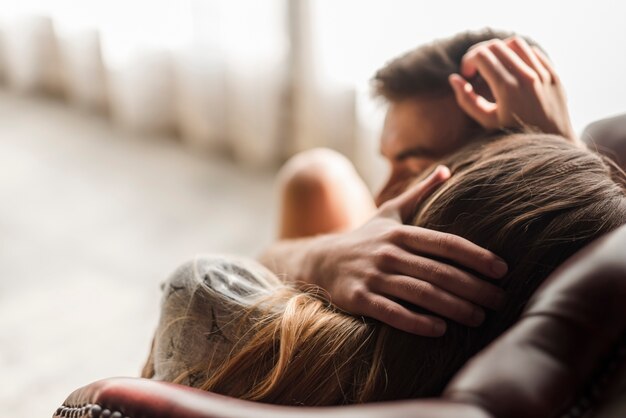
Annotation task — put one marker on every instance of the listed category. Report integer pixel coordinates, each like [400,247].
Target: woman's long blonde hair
[533,199]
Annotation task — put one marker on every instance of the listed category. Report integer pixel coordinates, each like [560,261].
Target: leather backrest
[574,320]
[608,136]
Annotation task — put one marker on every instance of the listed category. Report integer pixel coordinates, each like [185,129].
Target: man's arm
[526,88]
[368,270]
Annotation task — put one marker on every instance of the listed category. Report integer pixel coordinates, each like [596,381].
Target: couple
[349,306]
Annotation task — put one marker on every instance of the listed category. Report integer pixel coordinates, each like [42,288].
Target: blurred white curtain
[336,43]
[260,80]
[216,72]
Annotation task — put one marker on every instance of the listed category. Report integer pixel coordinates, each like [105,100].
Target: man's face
[417,132]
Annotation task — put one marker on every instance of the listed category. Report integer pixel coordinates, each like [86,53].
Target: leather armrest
[132,397]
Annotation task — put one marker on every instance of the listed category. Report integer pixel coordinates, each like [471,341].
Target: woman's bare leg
[321,192]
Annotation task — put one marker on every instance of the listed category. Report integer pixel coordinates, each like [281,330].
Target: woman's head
[533,199]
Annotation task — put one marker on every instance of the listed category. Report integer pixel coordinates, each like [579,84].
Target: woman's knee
[314,174]
[321,192]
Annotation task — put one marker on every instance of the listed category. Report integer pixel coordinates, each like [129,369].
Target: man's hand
[368,270]
[525,86]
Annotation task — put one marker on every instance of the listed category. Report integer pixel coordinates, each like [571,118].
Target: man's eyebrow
[415,152]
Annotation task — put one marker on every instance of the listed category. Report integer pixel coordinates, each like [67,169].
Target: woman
[231,327]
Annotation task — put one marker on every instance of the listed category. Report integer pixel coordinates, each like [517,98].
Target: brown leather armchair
[565,357]
[608,137]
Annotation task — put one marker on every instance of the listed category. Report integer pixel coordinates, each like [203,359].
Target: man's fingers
[395,315]
[454,248]
[436,300]
[523,50]
[476,106]
[407,202]
[448,278]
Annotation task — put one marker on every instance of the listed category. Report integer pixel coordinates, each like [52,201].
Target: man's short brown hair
[425,70]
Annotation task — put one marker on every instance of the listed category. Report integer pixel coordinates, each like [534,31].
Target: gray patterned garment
[200,312]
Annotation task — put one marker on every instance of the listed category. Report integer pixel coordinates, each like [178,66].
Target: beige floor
[91,220]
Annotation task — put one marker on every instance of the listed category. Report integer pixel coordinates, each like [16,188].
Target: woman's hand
[525,86]
[366,271]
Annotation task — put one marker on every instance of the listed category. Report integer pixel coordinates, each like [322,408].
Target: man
[440,96]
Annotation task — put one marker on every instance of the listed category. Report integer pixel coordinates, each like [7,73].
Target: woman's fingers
[512,61]
[431,297]
[450,279]
[468,65]
[476,106]
[397,316]
[483,60]
[545,61]
[454,248]
[524,51]
[523,83]
[502,62]
[492,70]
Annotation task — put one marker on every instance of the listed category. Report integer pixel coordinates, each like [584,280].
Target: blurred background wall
[134,134]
